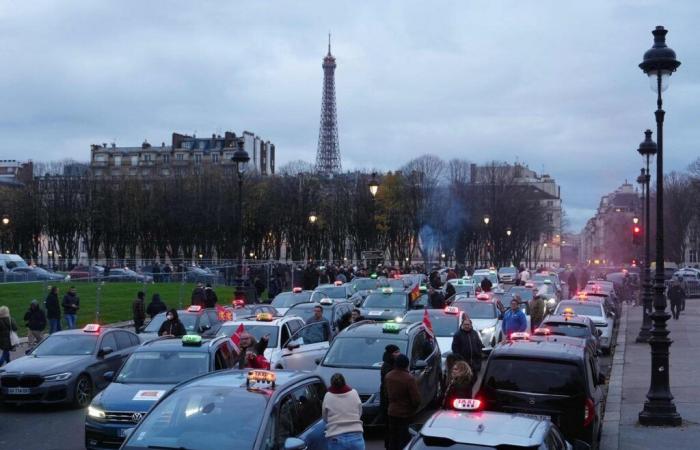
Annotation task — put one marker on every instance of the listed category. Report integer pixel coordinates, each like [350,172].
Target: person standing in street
[524,276]
[7,326]
[71,305]
[138,310]
[53,310]
[210,298]
[198,297]
[537,310]
[156,306]
[172,326]
[404,400]
[391,351]
[436,298]
[573,284]
[514,320]
[676,295]
[35,319]
[466,343]
[342,412]
[460,385]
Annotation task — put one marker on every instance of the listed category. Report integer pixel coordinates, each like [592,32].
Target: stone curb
[613,405]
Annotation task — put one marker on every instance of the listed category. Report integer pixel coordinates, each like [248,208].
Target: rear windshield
[444,325]
[578,330]
[365,284]
[385,300]
[287,299]
[477,309]
[328,292]
[344,351]
[581,310]
[536,376]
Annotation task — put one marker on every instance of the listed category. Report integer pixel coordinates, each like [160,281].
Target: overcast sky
[552,84]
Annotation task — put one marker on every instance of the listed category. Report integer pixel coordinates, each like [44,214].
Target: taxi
[67,366]
[602,319]
[386,304]
[196,319]
[147,375]
[234,409]
[466,426]
[285,300]
[291,343]
[463,286]
[337,291]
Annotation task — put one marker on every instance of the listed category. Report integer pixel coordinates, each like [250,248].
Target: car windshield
[365,284]
[535,376]
[188,320]
[476,309]
[379,300]
[577,330]
[200,417]
[477,277]
[464,288]
[288,299]
[168,367]
[306,310]
[541,278]
[396,283]
[581,309]
[257,331]
[507,270]
[66,344]
[328,292]
[525,295]
[444,325]
[343,351]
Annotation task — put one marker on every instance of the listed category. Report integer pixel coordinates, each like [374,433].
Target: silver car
[595,311]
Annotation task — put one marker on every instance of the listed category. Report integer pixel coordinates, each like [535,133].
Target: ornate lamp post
[373,185]
[647,149]
[659,63]
[240,159]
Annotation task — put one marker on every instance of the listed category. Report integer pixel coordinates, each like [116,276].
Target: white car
[484,316]
[595,311]
[292,344]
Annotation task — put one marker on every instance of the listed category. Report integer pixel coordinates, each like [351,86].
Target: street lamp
[312,217]
[373,185]
[659,63]
[635,220]
[509,231]
[240,159]
[487,219]
[5,220]
[647,149]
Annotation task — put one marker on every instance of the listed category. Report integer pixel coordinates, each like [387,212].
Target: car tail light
[588,412]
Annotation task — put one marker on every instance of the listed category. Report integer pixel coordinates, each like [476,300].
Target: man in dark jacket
[199,297]
[156,306]
[35,319]
[435,298]
[210,298]
[138,310]
[404,401]
[71,305]
[676,295]
[53,310]
[573,284]
[391,351]
[467,344]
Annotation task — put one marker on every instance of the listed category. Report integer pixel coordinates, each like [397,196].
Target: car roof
[433,312]
[170,343]
[486,428]
[538,350]
[568,319]
[251,321]
[369,328]
[596,301]
[103,330]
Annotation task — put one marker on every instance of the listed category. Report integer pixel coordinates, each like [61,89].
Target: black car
[547,378]
[386,304]
[580,327]
[336,313]
[357,353]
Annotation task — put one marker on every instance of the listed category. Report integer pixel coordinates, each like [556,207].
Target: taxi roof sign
[542,332]
[422,288]
[263,317]
[338,283]
[373,276]
[238,303]
[261,376]
[391,327]
[466,404]
[519,336]
[451,310]
[194,308]
[483,296]
[296,290]
[194,340]
[387,290]
[92,328]
[326,301]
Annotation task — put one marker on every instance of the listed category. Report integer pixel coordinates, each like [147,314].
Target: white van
[10,261]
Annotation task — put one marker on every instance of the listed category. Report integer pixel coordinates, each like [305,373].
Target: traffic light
[636,235]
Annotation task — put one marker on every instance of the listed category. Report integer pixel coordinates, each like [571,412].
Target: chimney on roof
[104,145]
[213,135]
[145,144]
[114,145]
[162,144]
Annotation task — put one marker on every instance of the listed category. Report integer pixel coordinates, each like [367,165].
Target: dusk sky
[552,84]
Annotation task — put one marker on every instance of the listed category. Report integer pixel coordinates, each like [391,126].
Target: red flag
[427,324]
[415,293]
[220,313]
[236,338]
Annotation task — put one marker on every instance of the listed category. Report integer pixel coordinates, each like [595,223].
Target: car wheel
[82,392]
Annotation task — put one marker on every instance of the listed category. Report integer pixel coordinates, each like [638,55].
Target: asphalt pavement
[62,428]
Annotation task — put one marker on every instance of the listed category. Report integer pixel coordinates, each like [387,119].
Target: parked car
[81,272]
[30,273]
[126,274]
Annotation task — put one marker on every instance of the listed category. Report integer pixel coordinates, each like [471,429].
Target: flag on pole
[221,313]
[427,324]
[236,338]
[415,293]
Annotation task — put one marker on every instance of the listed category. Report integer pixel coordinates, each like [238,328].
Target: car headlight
[398,319]
[95,412]
[551,301]
[58,376]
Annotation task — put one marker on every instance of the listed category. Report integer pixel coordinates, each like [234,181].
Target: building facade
[15,173]
[186,154]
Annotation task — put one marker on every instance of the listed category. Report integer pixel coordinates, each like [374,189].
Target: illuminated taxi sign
[238,303]
[548,281]
[263,317]
[466,404]
[194,308]
[338,283]
[192,340]
[373,276]
[326,301]
[391,327]
[460,282]
[483,296]
[582,296]
[519,336]
[542,332]
[423,288]
[261,376]
[529,284]
[91,328]
[452,310]
[387,290]
[296,290]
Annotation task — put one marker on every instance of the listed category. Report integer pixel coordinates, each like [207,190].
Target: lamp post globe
[487,219]
[509,232]
[312,217]
[373,185]
[5,220]
[659,410]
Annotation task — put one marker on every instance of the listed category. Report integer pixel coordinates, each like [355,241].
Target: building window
[202,145]
[693,256]
[215,157]
[187,144]
[180,156]
[166,158]
[117,161]
[197,158]
[550,218]
[550,203]
[147,157]
[134,160]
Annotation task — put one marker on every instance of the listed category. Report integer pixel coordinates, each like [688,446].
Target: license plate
[536,416]
[18,391]
[375,313]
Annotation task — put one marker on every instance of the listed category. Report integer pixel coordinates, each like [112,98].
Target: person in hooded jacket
[172,326]
[7,325]
[198,297]
[156,306]
[391,351]
[460,385]
[138,311]
[466,343]
[210,298]
[404,401]
[53,310]
[35,319]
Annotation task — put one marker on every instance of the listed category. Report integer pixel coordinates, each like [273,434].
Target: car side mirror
[203,328]
[292,443]
[317,361]
[420,365]
[109,376]
[104,351]
[291,345]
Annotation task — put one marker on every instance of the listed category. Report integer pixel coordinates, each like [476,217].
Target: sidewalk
[629,383]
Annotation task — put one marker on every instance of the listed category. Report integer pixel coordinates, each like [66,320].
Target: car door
[306,346]
[420,351]
[106,363]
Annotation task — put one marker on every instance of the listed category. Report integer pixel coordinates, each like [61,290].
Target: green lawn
[115,298]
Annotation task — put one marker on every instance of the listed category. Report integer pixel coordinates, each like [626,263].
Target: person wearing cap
[537,310]
[404,401]
[35,319]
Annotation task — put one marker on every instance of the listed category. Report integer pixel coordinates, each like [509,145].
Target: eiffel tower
[328,152]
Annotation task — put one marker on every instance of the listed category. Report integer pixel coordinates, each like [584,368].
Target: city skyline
[522,82]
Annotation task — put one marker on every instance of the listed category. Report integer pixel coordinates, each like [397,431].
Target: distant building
[15,173]
[601,239]
[186,154]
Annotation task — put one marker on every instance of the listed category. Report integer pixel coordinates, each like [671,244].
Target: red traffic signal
[636,234]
